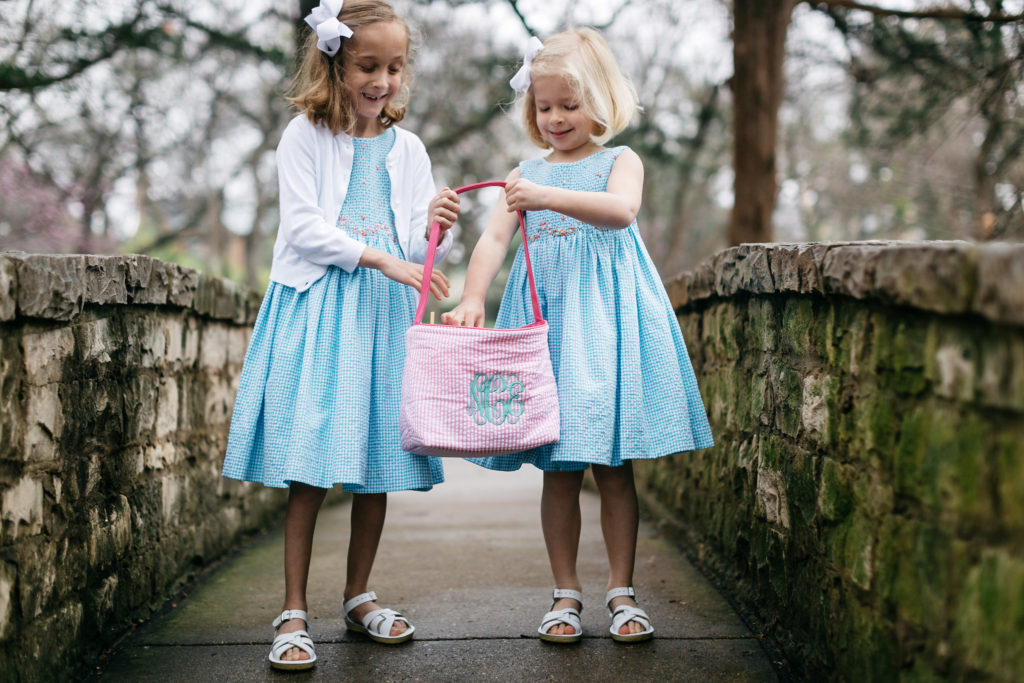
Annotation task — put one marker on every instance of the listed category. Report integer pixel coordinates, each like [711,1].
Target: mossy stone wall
[865,497]
[117,378]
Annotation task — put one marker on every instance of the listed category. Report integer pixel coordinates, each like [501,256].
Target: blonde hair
[319,89]
[584,60]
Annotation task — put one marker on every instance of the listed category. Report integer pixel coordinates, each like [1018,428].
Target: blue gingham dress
[626,388]
[318,398]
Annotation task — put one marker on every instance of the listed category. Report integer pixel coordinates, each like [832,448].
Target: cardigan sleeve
[303,224]
[423,190]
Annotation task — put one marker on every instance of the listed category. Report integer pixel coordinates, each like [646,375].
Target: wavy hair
[582,57]
[319,91]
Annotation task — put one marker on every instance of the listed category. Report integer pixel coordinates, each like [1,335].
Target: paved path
[466,563]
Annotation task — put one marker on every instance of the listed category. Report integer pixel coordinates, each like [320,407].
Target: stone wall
[865,497]
[117,377]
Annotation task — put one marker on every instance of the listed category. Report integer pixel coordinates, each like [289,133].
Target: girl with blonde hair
[626,388]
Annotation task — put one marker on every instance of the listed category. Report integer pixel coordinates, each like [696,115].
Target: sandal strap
[568,616]
[287,641]
[360,599]
[288,615]
[560,593]
[628,613]
[381,620]
[620,592]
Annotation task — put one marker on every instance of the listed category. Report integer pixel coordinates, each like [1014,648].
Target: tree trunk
[759,40]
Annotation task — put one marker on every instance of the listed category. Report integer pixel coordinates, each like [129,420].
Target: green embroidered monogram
[495,398]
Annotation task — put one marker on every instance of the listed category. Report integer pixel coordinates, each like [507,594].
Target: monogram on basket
[472,391]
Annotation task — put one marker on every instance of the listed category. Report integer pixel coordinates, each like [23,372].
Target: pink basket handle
[428,263]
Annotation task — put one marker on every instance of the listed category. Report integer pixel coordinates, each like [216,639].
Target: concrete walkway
[466,563]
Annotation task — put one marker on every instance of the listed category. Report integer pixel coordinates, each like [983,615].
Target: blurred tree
[759,34]
[914,76]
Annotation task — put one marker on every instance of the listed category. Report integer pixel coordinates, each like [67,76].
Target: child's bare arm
[616,207]
[484,265]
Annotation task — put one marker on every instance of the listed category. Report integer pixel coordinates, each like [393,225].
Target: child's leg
[561,520]
[368,512]
[620,519]
[300,520]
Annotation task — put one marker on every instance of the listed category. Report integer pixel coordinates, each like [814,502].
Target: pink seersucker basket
[472,391]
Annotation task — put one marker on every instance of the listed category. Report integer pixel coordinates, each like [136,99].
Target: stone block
[166,408]
[797,322]
[1001,381]
[952,363]
[160,455]
[869,650]
[173,329]
[850,546]
[743,269]
[51,287]
[45,353]
[965,475]
[8,289]
[835,494]
[23,508]
[8,576]
[44,423]
[915,474]
[182,285]
[852,336]
[1000,290]
[213,349]
[797,267]
[11,407]
[139,406]
[916,565]
[190,343]
[95,341]
[1010,478]
[110,533]
[932,276]
[146,280]
[989,618]
[172,494]
[104,280]
[787,398]
[878,422]
[219,298]
[152,342]
[762,328]
[748,392]
[910,342]
[772,504]
[818,407]
[850,270]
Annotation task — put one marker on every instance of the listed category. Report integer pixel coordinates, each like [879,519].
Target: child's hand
[412,274]
[469,313]
[522,195]
[444,209]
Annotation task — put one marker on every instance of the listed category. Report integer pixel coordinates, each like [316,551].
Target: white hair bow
[329,31]
[521,81]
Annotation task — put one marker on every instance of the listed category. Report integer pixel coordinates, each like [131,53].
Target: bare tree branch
[934,13]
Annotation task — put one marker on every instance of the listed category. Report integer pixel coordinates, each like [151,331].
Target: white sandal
[377,623]
[570,616]
[623,614]
[286,641]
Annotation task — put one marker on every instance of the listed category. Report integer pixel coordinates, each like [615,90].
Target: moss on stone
[797,322]
[989,619]
[835,493]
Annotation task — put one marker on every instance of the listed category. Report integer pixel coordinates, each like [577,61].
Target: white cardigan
[313,170]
